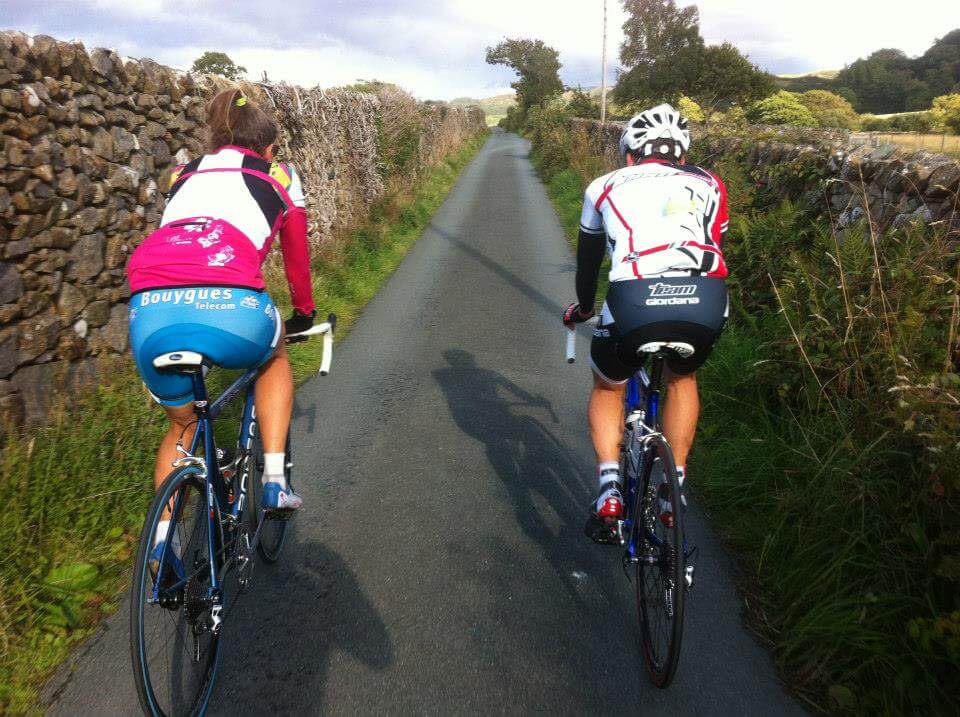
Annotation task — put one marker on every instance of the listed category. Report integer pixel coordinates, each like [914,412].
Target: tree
[664,57]
[661,51]
[946,113]
[726,78]
[538,70]
[218,63]
[829,110]
[939,67]
[884,83]
[657,29]
[781,108]
[583,105]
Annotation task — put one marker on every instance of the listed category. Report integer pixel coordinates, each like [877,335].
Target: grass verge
[75,493]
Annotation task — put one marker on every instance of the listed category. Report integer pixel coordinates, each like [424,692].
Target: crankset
[603,533]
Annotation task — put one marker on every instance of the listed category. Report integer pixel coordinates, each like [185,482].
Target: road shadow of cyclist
[289,650]
[539,472]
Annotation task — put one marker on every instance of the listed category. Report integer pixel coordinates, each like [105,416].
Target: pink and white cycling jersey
[660,218]
[223,212]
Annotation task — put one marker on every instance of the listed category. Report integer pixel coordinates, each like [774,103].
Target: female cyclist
[197,285]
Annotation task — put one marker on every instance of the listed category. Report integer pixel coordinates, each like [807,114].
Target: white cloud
[435,48]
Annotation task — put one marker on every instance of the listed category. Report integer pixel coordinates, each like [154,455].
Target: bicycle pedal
[602,533]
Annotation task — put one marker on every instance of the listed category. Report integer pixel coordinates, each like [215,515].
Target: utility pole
[603,71]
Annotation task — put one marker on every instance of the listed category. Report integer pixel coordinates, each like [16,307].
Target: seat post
[656,371]
[200,406]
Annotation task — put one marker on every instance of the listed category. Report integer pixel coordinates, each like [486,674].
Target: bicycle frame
[642,403]
[208,468]
[217,499]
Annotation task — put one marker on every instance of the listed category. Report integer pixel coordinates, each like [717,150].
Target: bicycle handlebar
[326,328]
[572,338]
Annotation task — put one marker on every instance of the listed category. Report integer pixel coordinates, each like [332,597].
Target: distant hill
[819,80]
[494,106]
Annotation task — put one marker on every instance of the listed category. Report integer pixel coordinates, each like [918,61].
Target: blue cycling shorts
[234,328]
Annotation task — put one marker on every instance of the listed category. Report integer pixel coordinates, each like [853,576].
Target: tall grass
[828,453]
[74,494]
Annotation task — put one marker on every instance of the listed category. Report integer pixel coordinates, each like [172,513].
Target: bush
[904,122]
[690,109]
[945,114]
[912,122]
[781,108]
[736,115]
[872,123]
[548,127]
[583,105]
[515,120]
[830,110]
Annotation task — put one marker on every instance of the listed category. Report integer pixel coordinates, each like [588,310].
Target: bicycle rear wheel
[660,564]
[175,656]
[273,535]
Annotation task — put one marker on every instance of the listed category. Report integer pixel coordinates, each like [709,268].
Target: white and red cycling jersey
[660,218]
[223,212]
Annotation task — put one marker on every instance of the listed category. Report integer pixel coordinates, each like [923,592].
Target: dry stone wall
[843,172]
[88,140]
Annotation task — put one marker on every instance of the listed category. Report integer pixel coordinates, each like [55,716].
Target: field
[947,143]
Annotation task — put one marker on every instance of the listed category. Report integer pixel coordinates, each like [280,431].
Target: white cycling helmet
[662,122]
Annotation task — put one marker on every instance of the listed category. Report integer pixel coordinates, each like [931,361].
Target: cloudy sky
[435,48]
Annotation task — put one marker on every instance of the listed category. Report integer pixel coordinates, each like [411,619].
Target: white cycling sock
[163,527]
[273,469]
[606,472]
[681,474]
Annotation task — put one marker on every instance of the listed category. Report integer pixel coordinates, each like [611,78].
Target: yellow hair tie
[241,101]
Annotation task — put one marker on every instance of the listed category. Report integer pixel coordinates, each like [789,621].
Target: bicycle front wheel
[175,654]
[660,563]
[273,535]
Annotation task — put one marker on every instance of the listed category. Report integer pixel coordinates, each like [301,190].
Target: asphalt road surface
[439,564]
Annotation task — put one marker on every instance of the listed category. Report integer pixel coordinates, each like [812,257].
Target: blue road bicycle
[655,554]
[179,599]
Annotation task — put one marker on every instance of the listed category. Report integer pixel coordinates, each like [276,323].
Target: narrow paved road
[439,565]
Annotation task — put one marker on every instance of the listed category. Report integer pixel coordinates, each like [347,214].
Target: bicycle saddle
[681,348]
[184,361]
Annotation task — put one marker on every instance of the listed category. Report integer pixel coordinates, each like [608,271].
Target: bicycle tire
[661,584]
[273,535]
[159,693]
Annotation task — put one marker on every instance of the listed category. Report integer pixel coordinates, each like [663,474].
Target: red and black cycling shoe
[603,525]
[610,504]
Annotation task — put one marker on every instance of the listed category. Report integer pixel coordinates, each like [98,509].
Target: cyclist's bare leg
[606,419]
[681,413]
[181,424]
[274,401]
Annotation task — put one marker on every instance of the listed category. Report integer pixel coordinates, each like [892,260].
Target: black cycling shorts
[690,309]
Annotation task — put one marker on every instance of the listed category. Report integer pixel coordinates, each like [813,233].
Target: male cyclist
[662,222]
